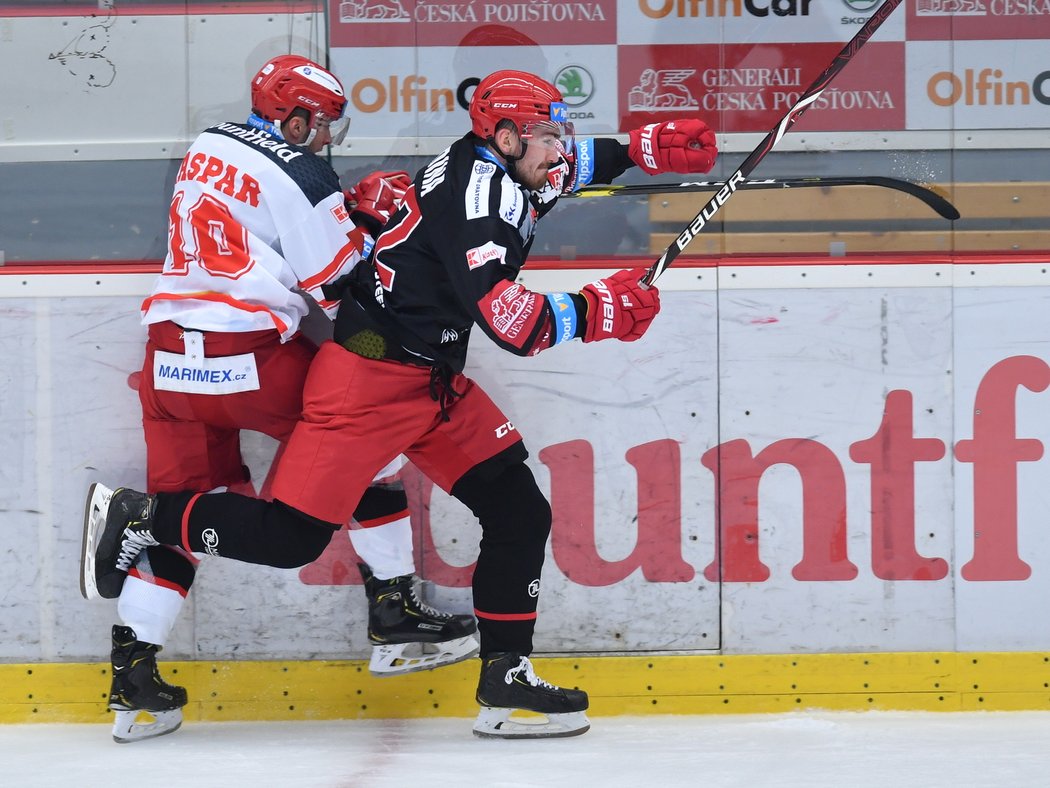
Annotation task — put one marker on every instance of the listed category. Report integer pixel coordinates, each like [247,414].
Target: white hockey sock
[149,609]
[386,548]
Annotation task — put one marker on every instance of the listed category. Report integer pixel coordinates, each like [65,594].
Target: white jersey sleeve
[252,221]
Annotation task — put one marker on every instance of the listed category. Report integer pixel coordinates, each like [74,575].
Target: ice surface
[798,750]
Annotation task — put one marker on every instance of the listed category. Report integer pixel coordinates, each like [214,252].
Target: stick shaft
[931,196]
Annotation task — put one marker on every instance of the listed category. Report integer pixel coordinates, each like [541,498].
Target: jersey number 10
[215,241]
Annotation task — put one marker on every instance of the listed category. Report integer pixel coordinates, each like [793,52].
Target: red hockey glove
[686,145]
[376,197]
[618,307]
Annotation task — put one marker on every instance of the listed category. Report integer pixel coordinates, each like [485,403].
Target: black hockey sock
[167,517]
[258,532]
[512,636]
[515,521]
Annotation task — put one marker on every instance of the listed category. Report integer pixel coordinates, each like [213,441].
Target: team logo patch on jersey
[555,181]
[480,255]
[340,213]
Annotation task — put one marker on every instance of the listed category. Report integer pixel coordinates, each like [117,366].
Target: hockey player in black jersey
[391,383]
[457,244]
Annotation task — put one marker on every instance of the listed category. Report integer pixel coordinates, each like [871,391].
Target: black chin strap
[508,157]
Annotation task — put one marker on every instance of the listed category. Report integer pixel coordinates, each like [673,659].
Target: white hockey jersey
[252,218]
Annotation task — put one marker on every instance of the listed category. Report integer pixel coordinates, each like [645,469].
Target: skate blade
[496,723]
[137,725]
[401,658]
[95,510]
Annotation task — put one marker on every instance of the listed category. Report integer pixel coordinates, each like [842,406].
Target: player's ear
[295,129]
[506,141]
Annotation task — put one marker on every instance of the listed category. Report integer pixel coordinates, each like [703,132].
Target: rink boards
[839,462]
[617,685]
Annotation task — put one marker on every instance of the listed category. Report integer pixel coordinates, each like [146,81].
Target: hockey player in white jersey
[256,220]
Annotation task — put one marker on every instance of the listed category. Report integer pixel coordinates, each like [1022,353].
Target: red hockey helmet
[290,82]
[527,100]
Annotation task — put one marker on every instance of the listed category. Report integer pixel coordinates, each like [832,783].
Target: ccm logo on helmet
[505,104]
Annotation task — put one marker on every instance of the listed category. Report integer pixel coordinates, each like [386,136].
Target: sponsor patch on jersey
[511,202]
[584,162]
[222,375]
[340,213]
[276,147]
[477,197]
[512,309]
[480,255]
[564,316]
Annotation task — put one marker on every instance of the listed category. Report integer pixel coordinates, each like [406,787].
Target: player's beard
[535,179]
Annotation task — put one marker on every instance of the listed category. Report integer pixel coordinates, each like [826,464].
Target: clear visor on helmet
[337,128]
[557,133]
[557,136]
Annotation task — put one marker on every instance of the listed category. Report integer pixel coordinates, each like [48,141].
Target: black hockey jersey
[449,257]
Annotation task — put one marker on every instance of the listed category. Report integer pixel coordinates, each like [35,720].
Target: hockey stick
[928,195]
[736,180]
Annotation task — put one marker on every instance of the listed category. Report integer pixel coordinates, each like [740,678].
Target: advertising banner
[402,91]
[978,85]
[749,21]
[740,64]
[773,468]
[422,23]
[410,67]
[749,88]
[978,20]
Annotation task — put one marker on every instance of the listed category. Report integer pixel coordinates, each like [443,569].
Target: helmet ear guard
[289,82]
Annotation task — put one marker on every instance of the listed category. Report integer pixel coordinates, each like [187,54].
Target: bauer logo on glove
[605,297]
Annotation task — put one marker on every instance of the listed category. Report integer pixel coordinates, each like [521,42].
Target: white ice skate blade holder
[401,658]
[132,726]
[496,723]
[95,511]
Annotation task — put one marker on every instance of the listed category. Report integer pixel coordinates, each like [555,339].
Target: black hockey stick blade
[929,195]
[738,178]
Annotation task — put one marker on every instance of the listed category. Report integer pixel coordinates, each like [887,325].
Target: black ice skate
[116,530]
[138,691]
[509,684]
[408,635]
